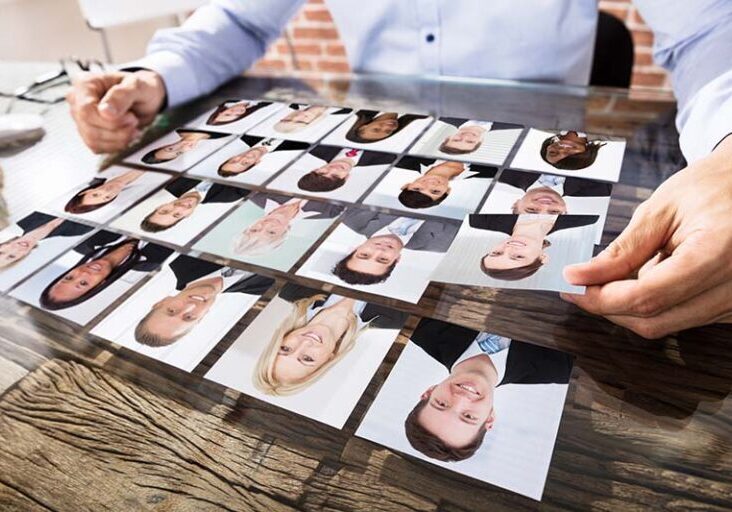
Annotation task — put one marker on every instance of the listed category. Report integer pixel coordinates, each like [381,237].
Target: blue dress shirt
[537,40]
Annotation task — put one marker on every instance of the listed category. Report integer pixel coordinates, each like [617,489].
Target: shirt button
[430,38]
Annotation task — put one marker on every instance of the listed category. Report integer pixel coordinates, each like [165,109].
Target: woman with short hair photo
[100,193]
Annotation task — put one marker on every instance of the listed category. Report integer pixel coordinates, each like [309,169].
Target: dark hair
[152,227]
[574,162]
[145,337]
[365,117]
[151,159]
[224,106]
[74,204]
[512,274]
[352,277]
[429,444]
[414,199]
[52,305]
[227,174]
[446,148]
[314,182]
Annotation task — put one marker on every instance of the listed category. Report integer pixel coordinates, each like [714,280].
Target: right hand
[111,108]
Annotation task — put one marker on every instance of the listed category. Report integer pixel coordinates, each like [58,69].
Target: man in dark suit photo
[451,418]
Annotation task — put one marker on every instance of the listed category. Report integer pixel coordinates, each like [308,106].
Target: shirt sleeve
[693,40]
[219,41]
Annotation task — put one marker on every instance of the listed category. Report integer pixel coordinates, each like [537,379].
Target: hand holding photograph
[180,149]
[310,352]
[236,116]
[527,252]
[81,283]
[180,211]
[301,122]
[520,192]
[332,172]
[441,188]
[110,192]
[379,131]
[249,160]
[571,153]
[383,254]
[180,315]
[32,242]
[476,403]
[468,140]
[271,231]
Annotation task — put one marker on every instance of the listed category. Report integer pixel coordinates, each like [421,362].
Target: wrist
[155,88]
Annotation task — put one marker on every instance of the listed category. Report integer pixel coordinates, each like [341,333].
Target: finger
[648,265]
[107,141]
[693,268]
[639,241]
[88,114]
[118,100]
[710,307]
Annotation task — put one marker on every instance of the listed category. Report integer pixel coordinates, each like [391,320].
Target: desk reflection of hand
[679,243]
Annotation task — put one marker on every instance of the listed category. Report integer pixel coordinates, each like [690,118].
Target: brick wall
[317,45]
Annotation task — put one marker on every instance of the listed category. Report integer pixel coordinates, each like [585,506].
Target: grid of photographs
[476,403]
[443,188]
[262,196]
[332,172]
[249,160]
[379,131]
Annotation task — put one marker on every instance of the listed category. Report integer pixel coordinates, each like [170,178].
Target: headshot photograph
[310,352]
[475,403]
[180,210]
[301,122]
[520,192]
[269,230]
[236,116]
[527,252]
[249,160]
[379,131]
[333,173]
[468,140]
[84,281]
[32,242]
[571,153]
[109,193]
[180,315]
[442,188]
[383,254]
[180,149]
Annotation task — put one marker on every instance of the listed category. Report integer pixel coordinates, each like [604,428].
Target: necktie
[404,226]
[491,343]
[551,181]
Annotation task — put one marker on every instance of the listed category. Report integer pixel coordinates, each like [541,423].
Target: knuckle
[649,330]
[646,306]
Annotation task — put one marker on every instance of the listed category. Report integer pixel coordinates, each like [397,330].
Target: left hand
[671,268]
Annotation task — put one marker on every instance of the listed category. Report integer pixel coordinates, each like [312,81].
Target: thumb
[646,233]
[119,98]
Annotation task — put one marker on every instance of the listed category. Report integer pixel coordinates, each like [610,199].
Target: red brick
[620,13]
[334,66]
[319,14]
[642,38]
[275,64]
[336,50]
[315,33]
[643,58]
[649,79]
[637,18]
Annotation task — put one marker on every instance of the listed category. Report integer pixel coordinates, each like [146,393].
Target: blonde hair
[245,245]
[264,379]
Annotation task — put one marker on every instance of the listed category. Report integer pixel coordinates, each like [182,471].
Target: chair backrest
[612,64]
[101,14]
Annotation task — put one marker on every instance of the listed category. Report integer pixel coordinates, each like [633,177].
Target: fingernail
[568,297]
[107,108]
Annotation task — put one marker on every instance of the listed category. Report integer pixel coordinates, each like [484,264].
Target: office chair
[612,64]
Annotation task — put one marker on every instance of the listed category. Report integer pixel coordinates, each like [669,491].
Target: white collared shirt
[497,358]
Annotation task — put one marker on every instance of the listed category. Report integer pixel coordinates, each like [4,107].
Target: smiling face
[299,119]
[15,250]
[101,195]
[465,140]
[232,113]
[80,280]
[517,251]
[173,212]
[432,185]
[566,145]
[304,350]
[175,316]
[380,128]
[458,409]
[376,255]
[242,162]
[541,200]
[337,169]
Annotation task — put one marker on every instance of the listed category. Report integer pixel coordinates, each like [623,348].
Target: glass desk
[86,425]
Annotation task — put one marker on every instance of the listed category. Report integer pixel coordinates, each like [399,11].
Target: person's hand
[111,108]
[671,268]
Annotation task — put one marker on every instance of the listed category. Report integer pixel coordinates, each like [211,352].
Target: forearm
[219,41]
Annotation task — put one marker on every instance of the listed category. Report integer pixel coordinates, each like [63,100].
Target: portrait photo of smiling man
[443,188]
[181,210]
[180,149]
[382,253]
[379,131]
[333,172]
[468,140]
[474,402]
[521,192]
[301,122]
[180,314]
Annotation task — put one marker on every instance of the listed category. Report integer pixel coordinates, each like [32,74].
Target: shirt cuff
[707,119]
[180,82]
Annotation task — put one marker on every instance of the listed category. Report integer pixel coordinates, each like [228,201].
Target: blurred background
[45,30]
